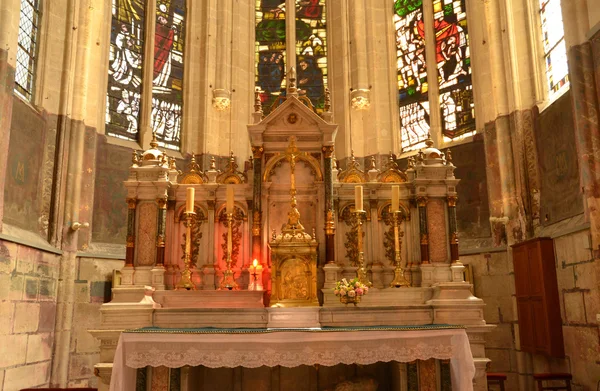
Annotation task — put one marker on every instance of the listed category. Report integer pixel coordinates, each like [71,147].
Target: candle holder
[228,281]
[361,272]
[399,279]
[186,275]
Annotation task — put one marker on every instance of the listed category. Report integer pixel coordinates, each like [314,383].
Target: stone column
[221,93]
[145,131]
[290,34]
[358,54]
[257,153]
[329,211]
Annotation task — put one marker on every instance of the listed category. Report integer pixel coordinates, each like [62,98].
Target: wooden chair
[540,378]
[496,379]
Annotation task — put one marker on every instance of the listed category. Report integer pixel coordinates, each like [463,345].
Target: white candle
[229,199]
[395,198]
[358,197]
[189,205]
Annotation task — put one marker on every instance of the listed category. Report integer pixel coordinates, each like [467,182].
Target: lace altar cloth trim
[290,349]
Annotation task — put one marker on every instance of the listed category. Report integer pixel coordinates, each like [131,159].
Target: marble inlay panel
[160,379]
[146,234]
[436,227]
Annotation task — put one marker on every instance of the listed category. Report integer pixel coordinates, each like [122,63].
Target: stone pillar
[329,211]
[148,77]
[257,153]
[290,34]
[453,234]
[221,93]
[358,55]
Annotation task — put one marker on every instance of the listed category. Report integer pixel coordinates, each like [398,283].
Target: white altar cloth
[220,348]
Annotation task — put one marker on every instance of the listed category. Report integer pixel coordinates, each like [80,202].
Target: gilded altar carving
[194,175]
[388,236]
[196,234]
[232,175]
[392,173]
[352,173]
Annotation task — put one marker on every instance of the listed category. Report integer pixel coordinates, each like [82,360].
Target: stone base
[383,297]
[210,299]
[293,317]
[143,275]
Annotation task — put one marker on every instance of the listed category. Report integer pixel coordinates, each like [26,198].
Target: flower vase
[347,300]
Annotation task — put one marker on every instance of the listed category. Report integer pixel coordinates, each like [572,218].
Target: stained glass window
[167,82]
[311,53]
[555,51]
[125,69]
[270,51]
[412,72]
[27,48]
[454,67]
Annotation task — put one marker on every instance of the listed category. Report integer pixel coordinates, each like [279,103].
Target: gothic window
[555,51]
[271,57]
[453,94]
[128,44]
[27,47]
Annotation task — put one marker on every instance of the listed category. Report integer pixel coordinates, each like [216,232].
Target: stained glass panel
[311,53]
[27,48]
[270,51]
[412,72]
[167,82]
[125,69]
[555,51]
[453,60]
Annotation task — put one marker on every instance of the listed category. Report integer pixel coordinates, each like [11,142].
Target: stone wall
[28,283]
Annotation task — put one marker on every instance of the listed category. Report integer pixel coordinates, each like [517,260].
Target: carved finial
[292,82]
[448,156]
[172,164]
[314,234]
[231,157]
[213,164]
[327,105]
[154,142]
[257,101]
[352,158]
[336,163]
[135,159]
[429,141]
[273,234]
[193,166]
[420,157]
[372,165]
[411,162]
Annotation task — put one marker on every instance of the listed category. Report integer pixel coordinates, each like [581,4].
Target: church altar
[263,249]
[252,348]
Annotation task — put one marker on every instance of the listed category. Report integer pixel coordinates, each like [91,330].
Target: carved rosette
[236,234]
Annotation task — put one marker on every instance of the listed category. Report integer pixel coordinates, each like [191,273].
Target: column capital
[131,203]
[257,151]
[451,199]
[327,151]
[421,201]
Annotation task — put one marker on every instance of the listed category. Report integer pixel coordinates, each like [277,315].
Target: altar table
[251,348]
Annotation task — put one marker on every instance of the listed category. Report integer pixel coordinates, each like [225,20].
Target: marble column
[329,211]
[422,205]
[453,234]
[221,93]
[257,153]
[161,224]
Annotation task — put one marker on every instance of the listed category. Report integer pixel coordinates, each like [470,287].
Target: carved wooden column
[422,205]
[329,211]
[453,228]
[257,153]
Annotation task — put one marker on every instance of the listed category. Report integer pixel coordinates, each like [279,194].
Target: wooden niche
[538,306]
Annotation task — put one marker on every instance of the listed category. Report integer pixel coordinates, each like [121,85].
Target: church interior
[300,195]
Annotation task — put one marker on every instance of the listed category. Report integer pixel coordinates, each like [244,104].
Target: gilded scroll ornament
[232,175]
[193,176]
[236,234]
[352,173]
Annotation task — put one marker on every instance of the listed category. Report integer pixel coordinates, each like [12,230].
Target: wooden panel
[521,266]
[525,314]
[540,325]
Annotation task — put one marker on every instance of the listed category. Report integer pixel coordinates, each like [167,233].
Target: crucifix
[291,154]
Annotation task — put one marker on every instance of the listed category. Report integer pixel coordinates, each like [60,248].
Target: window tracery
[25,66]
[555,50]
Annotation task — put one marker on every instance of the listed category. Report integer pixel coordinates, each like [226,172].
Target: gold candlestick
[399,279]
[228,281]
[186,275]
[361,272]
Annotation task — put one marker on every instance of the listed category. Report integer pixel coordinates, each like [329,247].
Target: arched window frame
[544,96]
[435,124]
[144,127]
[31,54]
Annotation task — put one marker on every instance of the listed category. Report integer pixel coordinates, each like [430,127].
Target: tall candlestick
[189,205]
[358,197]
[395,198]
[229,199]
